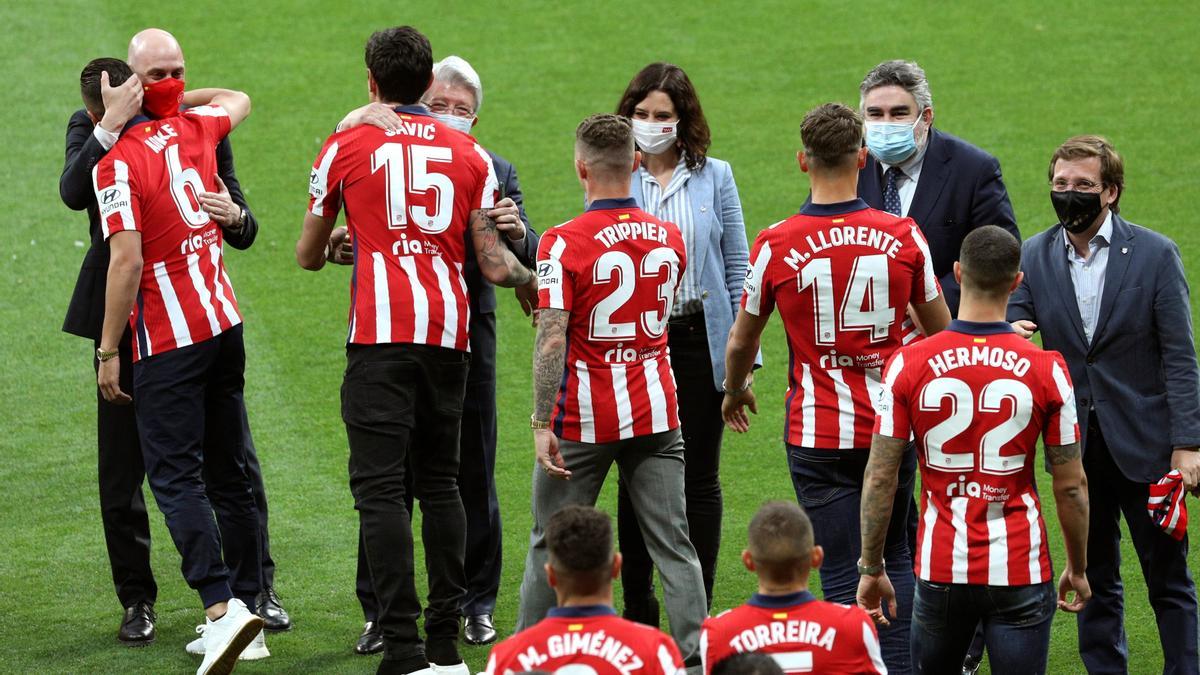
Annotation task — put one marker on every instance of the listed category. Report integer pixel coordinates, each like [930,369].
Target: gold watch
[103,356]
[535,423]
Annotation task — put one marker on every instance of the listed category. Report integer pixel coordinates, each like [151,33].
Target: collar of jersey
[980,327]
[581,612]
[781,601]
[414,109]
[840,208]
[134,121]
[600,204]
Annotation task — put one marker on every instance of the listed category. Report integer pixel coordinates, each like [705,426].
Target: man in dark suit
[1112,297]
[947,185]
[154,55]
[454,99]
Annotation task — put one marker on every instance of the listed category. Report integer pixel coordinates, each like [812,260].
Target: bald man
[154,55]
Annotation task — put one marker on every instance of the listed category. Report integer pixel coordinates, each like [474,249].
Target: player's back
[589,640]
[151,182]
[408,196]
[615,268]
[977,397]
[802,634]
[842,276]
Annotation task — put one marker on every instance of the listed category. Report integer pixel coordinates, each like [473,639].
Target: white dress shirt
[1087,275]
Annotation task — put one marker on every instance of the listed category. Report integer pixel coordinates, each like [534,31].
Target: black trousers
[402,405]
[1103,646]
[123,514]
[476,483]
[702,427]
[191,420]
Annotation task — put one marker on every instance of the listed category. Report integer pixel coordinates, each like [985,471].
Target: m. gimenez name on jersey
[615,269]
[587,640]
[151,182]
[802,634]
[408,195]
[977,396]
[842,276]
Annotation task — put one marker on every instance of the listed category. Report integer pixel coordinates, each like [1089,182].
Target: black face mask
[1076,210]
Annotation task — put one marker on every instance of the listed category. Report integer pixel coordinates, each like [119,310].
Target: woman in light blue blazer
[678,182]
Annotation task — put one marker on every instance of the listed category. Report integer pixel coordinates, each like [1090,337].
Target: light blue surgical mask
[892,142]
[463,124]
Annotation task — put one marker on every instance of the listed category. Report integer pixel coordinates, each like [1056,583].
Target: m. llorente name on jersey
[583,643]
[845,235]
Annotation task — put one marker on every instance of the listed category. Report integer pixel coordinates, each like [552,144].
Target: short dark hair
[832,135]
[401,61]
[692,132]
[1112,167]
[580,542]
[89,81]
[990,258]
[605,143]
[780,540]
[747,663]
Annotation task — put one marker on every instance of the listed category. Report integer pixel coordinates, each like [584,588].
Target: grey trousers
[652,468]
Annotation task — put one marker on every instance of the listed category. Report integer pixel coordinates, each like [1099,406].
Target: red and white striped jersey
[802,634]
[151,182]
[977,396]
[842,276]
[615,269]
[408,196]
[589,640]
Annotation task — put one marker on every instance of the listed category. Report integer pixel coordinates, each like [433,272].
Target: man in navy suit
[1112,297]
[454,99]
[947,185]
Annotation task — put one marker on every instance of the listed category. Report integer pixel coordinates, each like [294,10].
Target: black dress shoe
[371,640]
[137,628]
[642,610]
[479,630]
[274,616]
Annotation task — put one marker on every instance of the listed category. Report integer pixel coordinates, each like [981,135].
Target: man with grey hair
[946,184]
[454,98]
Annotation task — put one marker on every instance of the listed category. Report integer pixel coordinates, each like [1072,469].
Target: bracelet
[740,390]
[535,423]
[869,570]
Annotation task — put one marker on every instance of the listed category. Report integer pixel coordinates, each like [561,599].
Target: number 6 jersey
[977,396]
[615,270]
[408,195]
[842,276]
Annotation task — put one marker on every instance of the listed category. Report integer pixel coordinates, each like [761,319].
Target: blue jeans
[1016,626]
[829,486]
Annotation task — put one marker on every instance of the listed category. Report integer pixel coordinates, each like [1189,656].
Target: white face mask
[463,124]
[654,137]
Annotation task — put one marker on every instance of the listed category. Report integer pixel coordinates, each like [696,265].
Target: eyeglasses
[457,111]
[1085,185]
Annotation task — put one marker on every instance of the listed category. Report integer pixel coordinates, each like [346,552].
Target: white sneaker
[227,637]
[257,649]
[459,668]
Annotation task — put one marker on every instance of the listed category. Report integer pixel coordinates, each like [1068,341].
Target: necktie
[891,194]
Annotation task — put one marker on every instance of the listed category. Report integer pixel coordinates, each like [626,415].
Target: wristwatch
[869,570]
[241,221]
[103,356]
[745,385]
[535,423]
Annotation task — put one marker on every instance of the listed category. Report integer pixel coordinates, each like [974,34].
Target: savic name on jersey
[150,182]
[408,195]
[976,396]
[842,276]
[615,269]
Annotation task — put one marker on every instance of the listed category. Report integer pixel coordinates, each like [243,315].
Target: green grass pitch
[1015,78]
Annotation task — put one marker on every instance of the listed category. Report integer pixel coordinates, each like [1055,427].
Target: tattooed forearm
[1061,454]
[549,357]
[496,262]
[879,491]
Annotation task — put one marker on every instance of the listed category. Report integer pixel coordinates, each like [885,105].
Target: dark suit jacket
[960,189]
[85,313]
[481,292]
[1139,372]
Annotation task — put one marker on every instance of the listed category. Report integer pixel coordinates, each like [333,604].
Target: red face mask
[161,99]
